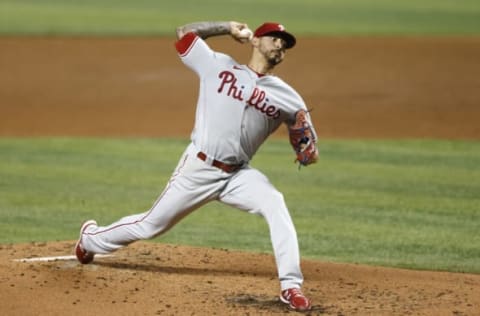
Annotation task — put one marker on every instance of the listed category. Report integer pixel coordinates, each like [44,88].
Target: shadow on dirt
[153,267]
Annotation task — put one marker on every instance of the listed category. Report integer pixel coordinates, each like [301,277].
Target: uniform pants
[195,183]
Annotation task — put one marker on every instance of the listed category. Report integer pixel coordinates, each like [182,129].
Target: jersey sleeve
[290,101]
[194,53]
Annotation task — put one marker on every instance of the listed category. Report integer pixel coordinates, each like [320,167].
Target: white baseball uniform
[237,110]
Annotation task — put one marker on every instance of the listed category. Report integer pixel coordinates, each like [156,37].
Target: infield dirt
[128,87]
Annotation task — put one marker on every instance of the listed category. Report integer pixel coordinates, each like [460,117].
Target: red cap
[275,29]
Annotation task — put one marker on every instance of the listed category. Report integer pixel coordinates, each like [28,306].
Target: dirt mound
[155,279]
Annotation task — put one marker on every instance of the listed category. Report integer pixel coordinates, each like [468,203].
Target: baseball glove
[303,140]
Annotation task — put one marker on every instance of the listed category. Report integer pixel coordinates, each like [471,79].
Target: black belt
[220,165]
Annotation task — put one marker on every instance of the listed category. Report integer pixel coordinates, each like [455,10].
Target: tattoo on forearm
[205,29]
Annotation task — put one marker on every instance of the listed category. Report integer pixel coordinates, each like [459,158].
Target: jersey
[237,109]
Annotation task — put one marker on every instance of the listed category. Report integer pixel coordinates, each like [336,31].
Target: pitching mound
[156,279]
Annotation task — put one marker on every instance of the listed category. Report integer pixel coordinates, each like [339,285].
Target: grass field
[306,17]
[396,203]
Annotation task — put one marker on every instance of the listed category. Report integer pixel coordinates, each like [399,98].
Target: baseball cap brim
[289,39]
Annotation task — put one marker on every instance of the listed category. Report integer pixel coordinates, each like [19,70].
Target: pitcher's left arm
[303,139]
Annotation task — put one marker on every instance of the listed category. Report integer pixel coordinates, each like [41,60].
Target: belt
[220,165]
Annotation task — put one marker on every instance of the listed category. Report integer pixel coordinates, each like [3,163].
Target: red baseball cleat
[295,299]
[84,256]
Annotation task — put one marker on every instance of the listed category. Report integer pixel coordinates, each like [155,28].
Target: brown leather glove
[303,140]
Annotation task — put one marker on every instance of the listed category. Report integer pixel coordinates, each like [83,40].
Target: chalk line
[56,258]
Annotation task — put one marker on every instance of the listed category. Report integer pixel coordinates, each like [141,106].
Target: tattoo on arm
[204,29]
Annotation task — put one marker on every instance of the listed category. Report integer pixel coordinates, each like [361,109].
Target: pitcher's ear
[255,41]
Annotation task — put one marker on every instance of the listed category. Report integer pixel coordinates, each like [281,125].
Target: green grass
[307,17]
[411,203]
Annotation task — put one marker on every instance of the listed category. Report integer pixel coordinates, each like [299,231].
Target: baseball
[246,34]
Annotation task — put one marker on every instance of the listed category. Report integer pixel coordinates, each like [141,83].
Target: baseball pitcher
[238,107]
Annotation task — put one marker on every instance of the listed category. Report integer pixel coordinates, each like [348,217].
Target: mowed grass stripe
[304,17]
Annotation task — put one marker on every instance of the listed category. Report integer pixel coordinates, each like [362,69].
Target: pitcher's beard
[275,59]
